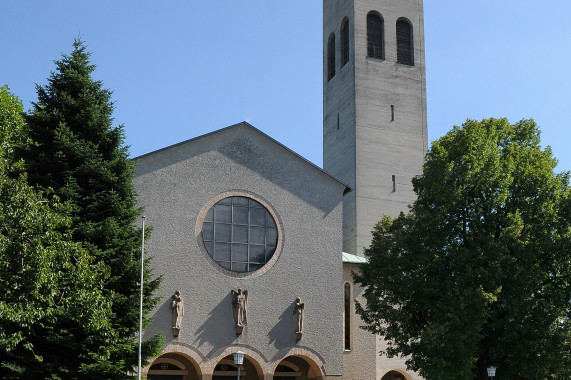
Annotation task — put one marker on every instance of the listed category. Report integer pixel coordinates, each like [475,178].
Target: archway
[225,369]
[173,366]
[396,375]
[297,368]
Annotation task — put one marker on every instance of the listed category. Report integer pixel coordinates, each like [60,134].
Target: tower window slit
[344,41]
[347,314]
[331,57]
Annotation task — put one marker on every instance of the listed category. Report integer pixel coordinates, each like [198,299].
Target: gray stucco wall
[175,184]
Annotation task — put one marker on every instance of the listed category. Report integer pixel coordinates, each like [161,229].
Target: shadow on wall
[282,334]
[218,329]
[162,322]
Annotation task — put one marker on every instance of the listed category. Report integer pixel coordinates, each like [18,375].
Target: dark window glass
[331,57]
[240,215]
[223,214]
[404,43]
[347,315]
[222,232]
[239,234]
[257,235]
[375,36]
[222,251]
[257,254]
[257,217]
[344,41]
[208,231]
[240,253]
[240,267]
[271,236]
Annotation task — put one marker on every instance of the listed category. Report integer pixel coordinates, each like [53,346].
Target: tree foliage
[43,274]
[478,272]
[81,156]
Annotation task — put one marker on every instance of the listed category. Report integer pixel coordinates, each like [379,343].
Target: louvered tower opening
[404,43]
[375,38]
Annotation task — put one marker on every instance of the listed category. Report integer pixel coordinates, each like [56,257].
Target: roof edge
[245,123]
[349,258]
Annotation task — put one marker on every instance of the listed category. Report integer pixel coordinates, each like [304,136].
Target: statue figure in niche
[239,306]
[177,306]
[298,309]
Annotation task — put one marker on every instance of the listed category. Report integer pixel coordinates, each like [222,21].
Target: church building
[256,245]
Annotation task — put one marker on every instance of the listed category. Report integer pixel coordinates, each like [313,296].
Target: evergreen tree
[82,157]
[478,273]
[44,276]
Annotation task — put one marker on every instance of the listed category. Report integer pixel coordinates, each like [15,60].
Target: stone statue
[177,307]
[240,304]
[298,316]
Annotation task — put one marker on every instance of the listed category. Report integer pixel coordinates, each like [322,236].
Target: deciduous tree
[478,272]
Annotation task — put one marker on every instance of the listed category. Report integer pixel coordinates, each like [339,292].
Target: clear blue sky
[179,69]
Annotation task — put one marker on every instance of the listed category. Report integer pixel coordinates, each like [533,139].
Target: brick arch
[253,357]
[192,356]
[315,363]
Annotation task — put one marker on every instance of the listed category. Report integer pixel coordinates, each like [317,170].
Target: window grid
[239,234]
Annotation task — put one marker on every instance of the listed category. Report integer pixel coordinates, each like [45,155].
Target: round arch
[254,358]
[396,374]
[179,350]
[315,370]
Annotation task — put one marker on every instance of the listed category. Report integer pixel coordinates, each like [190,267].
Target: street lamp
[238,360]
[491,371]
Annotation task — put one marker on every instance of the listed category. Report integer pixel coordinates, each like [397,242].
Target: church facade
[256,245]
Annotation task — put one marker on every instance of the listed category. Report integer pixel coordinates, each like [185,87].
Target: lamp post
[238,360]
[491,371]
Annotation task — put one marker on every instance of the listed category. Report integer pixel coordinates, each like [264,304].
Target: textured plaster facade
[374,128]
[175,185]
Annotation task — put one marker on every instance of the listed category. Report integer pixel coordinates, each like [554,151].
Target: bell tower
[374,108]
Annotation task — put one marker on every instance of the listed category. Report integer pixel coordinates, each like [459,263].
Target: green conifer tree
[44,276]
[82,157]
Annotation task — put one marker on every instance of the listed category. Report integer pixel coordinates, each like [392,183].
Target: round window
[239,234]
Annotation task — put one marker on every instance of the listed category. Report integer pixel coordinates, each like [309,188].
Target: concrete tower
[374,108]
